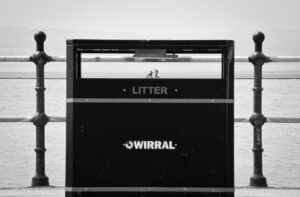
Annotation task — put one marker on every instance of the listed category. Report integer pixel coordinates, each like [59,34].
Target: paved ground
[59,192]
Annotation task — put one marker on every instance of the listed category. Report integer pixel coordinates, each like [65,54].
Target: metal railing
[40,119]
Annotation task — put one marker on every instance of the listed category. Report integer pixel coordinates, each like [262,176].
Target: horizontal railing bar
[139,59]
[63,119]
[57,119]
[57,58]
[15,119]
[241,119]
[14,58]
[241,59]
[282,120]
[284,58]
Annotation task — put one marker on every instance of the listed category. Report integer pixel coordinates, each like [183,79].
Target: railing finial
[258,39]
[40,38]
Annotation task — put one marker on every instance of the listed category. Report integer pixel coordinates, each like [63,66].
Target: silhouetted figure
[156,74]
[149,76]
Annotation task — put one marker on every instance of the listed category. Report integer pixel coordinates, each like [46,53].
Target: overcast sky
[152,16]
[153,19]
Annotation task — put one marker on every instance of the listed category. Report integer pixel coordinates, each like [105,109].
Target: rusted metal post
[258,119]
[40,58]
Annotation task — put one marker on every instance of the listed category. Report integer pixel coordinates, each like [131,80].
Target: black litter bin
[150,136]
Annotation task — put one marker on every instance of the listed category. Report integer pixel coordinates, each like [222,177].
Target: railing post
[40,58]
[258,119]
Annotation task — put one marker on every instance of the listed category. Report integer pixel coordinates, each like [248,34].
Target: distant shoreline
[62,75]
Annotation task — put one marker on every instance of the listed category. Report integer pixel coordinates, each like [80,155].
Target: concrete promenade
[59,192]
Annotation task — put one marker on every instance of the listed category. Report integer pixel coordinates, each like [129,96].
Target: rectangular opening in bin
[130,65]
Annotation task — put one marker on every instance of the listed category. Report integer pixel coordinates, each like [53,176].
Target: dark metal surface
[40,58]
[258,119]
[97,131]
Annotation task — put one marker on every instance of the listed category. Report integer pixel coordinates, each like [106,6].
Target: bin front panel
[169,145]
[149,137]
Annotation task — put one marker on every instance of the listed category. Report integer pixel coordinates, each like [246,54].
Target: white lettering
[157,145]
[165,145]
[152,145]
[139,144]
[164,90]
[134,91]
[171,146]
[149,90]
[128,145]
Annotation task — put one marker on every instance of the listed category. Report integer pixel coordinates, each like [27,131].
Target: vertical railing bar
[258,119]
[40,58]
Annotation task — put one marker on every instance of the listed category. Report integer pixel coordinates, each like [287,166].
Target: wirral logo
[150,145]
